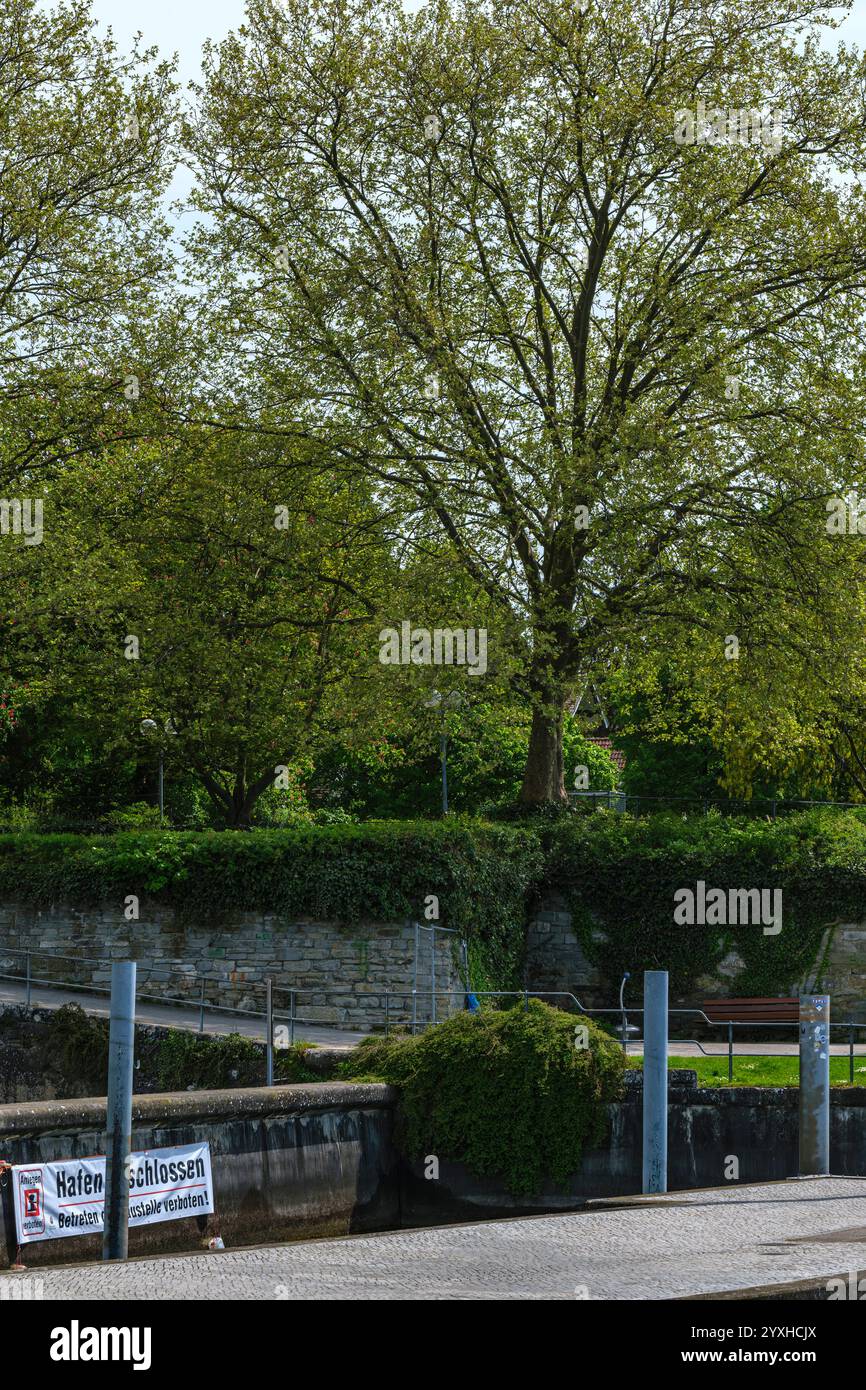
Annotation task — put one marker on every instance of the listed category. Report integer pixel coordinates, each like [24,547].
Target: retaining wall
[342,972]
[288,1162]
[299,1161]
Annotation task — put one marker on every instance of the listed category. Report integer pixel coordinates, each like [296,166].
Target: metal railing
[625,1041]
[399,1007]
[730,806]
[195,1003]
[729,1024]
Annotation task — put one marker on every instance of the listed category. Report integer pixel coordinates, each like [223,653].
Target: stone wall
[342,972]
[555,961]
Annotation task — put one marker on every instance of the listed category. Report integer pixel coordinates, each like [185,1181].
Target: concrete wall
[300,1161]
[294,1161]
[707,1128]
[342,971]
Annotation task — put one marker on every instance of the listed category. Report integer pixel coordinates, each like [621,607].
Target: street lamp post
[435,700]
[150,729]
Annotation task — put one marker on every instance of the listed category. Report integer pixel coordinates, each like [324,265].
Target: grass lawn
[760,1071]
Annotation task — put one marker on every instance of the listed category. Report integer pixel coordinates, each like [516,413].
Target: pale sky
[182,25]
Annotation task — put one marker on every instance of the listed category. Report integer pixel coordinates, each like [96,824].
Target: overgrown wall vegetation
[619,874]
[483,877]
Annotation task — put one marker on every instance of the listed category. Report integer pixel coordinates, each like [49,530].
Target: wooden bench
[752,1010]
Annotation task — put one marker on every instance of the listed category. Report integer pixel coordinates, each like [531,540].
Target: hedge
[514,1094]
[379,871]
[619,874]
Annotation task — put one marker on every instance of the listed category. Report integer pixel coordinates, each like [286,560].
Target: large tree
[211,585]
[618,370]
[87,150]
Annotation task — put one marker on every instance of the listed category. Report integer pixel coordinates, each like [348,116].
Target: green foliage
[187,1059]
[382,871]
[290,1064]
[72,1051]
[620,875]
[487,750]
[507,1093]
[75,1052]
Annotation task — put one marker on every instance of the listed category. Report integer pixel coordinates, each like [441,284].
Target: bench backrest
[752,1010]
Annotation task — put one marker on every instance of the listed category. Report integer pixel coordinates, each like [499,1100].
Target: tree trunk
[544,779]
[237,805]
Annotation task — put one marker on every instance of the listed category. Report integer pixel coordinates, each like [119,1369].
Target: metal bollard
[118,1119]
[269,1051]
[814,1084]
[655,1081]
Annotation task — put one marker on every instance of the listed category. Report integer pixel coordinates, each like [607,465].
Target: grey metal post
[655,1081]
[201,1010]
[433,974]
[118,1119]
[28,979]
[624,1015]
[269,1051]
[814,1083]
[415,985]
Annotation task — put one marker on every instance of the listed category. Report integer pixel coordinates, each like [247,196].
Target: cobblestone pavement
[689,1242]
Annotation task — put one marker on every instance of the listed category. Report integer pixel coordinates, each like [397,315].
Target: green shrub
[505,1092]
[290,1064]
[619,874]
[188,1059]
[75,1052]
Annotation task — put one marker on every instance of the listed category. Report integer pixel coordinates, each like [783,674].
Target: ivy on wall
[384,871]
[619,875]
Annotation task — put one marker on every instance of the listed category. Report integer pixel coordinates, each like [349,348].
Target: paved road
[178,1016]
[173,1015]
[710,1241]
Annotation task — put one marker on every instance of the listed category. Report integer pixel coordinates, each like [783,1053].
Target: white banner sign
[67,1198]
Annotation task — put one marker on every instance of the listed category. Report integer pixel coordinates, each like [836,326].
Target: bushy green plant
[290,1064]
[508,1093]
[139,816]
[75,1052]
[207,1063]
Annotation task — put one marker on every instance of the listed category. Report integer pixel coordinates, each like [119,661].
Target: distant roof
[617,758]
